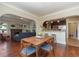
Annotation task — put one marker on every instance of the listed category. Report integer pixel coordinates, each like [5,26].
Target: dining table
[36,42]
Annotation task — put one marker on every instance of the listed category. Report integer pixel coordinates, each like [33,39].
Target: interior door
[72,30]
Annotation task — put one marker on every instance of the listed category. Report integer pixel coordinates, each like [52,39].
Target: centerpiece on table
[40,35]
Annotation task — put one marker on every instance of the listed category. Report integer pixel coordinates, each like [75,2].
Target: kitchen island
[60,36]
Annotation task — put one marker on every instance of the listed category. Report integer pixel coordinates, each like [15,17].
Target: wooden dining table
[36,42]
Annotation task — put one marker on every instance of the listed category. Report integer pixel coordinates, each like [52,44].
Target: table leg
[37,51]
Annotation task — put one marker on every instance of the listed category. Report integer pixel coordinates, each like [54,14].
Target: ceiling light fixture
[46,22]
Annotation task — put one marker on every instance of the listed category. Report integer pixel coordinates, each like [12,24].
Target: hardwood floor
[11,49]
[73,42]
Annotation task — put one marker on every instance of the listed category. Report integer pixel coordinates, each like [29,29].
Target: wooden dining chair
[49,46]
[27,49]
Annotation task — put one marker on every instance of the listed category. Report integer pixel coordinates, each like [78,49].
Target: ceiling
[14,18]
[43,8]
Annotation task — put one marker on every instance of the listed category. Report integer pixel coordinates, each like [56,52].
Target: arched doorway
[17,24]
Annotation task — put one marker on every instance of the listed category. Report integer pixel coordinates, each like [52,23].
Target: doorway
[72,30]
[73,34]
[4,33]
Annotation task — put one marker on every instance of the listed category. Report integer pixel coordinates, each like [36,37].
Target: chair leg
[54,50]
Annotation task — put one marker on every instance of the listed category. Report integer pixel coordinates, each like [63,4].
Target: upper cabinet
[54,24]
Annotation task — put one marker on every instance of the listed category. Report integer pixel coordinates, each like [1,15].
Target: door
[72,30]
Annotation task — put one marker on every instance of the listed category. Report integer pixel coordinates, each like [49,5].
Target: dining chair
[27,49]
[48,46]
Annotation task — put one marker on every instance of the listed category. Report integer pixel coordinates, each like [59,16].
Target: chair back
[49,41]
[25,44]
[53,37]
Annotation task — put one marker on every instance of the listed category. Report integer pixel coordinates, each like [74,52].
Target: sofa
[22,35]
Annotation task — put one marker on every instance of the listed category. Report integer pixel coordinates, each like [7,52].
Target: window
[3,28]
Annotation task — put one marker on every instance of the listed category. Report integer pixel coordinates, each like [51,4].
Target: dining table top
[36,41]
